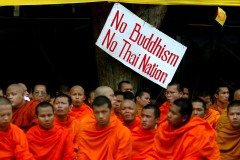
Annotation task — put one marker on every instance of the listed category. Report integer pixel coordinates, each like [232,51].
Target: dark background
[53,44]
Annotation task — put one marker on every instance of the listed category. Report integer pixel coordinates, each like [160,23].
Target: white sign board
[140,46]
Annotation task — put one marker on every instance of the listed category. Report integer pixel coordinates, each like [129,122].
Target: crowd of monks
[118,125]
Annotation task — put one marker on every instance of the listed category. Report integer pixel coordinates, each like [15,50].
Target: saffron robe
[25,116]
[212,117]
[196,140]
[14,145]
[80,112]
[142,142]
[218,108]
[164,108]
[53,144]
[73,125]
[135,124]
[113,142]
[228,139]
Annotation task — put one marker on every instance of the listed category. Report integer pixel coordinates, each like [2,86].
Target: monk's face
[175,119]
[45,117]
[185,93]
[5,116]
[77,95]
[16,96]
[234,116]
[172,93]
[119,100]
[148,120]
[61,106]
[40,93]
[128,111]
[126,87]
[198,109]
[102,114]
[143,100]
[207,100]
[223,95]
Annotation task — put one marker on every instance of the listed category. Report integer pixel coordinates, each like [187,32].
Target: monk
[106,139]
[79,108]
[23,111]
[143,135]
[142,99]
[228,132]
[129,114]
[13,141]
[48,141]
[201,110]
[62,104]
[183,136]
[119,98]
[236,95]
[221,98]
[174,91]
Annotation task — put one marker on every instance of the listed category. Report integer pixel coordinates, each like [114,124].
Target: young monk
[174,91]
[184,137]
[23,111]
[62,104]
[221,98]
[48,141]
[79,108]
[13,142]
[106,139]
[143,135]
[228,132]
[201,110]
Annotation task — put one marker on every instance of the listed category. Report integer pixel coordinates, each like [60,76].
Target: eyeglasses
[40,93]
[170,93]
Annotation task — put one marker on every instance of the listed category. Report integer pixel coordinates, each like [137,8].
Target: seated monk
[228,132]
[174,91]
[200,109]
[129,114]
[23,111]
[143,135]
[13,141]
[183,137]
[221,98]
[79,108]
[48,141]
[62,104]
[106,139]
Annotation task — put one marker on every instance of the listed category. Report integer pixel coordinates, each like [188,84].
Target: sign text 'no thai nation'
[140,46]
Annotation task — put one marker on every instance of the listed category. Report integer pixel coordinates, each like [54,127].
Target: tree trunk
[110,70]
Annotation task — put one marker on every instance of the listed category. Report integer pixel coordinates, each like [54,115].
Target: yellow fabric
[228,139]
[221,16]
[159,2]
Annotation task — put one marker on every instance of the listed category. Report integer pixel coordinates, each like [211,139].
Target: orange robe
[164,108]
[135,124]
[25,117]
[142,142]
[81,111]
[113,142]
[212,117]
[218,108]
[196,140]
[228,139]
[14,145]
[53,144]
[73,125]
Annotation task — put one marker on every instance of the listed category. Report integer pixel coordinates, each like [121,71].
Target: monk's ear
[184,118]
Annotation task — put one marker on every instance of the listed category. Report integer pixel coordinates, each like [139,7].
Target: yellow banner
[159,2]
